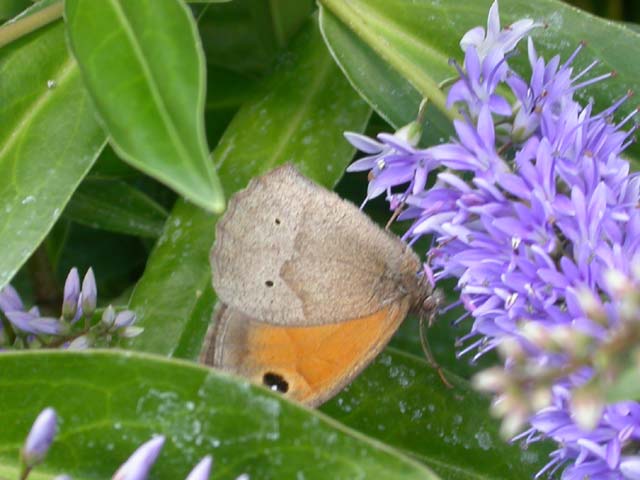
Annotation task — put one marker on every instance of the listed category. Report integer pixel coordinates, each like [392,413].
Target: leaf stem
[14,30]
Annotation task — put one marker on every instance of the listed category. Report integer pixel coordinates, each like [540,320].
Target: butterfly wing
[289,252]
[308,364]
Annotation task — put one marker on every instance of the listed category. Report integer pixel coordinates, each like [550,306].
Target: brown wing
[308,364]
[289,252]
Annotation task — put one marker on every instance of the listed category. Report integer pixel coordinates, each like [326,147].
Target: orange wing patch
[310,364]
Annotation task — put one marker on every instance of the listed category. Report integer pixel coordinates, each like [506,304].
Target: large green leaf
[402,401]
[297,116]
[116,206]
[109,402]
[49,139]
[395,52]
[143,65]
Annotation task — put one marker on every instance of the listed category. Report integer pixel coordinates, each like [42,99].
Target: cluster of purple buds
[73,329]
[534,211]
[136,467]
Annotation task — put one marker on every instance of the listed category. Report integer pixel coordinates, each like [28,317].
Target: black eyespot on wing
[275,382]
[278,221]
[269,283]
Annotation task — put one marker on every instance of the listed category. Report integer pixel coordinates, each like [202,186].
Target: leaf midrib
[170,126]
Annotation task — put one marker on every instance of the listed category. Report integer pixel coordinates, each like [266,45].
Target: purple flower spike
[202,470]
[40,438]
[140,462]
[71,295]
[533,210]
[89,293]
[10,300]
[30,323]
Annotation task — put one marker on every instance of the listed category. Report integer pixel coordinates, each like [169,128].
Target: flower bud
[81,343]
[140,462]
[201,470]
[410,133]
[592,306]
[40,438]
[124,319]
[130,332]
[89,294]
[617,282]
[492,379]
[587,406]
[71,294]
[108,317]
[537,334]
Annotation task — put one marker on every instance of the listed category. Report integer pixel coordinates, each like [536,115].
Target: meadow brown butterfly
[310,289]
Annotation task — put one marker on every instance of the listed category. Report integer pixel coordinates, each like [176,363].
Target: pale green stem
[14,30]
[361,26]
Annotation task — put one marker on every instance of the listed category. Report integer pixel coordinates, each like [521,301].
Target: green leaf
[395,52]
[144,68]
[298,116]
[402,401]
[245,35]
[49,140]
[116,206]
[109,402]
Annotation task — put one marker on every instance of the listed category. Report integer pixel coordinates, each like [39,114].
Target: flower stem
[14,30]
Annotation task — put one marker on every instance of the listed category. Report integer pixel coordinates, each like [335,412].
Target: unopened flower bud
[587,406]
[630,467]
[537,334]
[108,316]
[592,306]
[410,133]
[81,343]
[89,293]
[71,294]
[541,397]
[201,470]
[124,319]
[40,438]
[130,332]
[513,423]
[492,379]
[510,348]
[140,462]
[617,282]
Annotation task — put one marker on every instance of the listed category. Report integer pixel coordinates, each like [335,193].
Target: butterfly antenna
[426,348]
[395,215]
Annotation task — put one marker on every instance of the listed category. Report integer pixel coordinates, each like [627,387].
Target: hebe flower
[30,328]
[136,467]
[534,211]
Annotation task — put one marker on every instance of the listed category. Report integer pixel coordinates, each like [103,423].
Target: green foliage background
[124,127]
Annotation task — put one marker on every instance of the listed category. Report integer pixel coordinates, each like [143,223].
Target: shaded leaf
[109,402]
[402,401]
[49,139]
[297,116]
[144,68]
[116,206]
[245,35]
